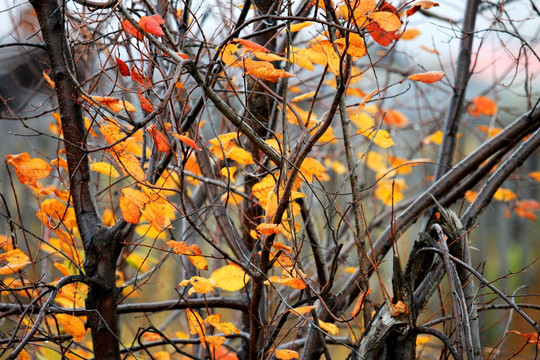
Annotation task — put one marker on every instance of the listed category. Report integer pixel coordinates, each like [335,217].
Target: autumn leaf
[23,355]
[380,137]
[28,169]
[332,329]
[535,175]
[230,278]
[186,140]
[490,131]
[504,195]
[265,70]
[332,57]
[532,338]
[386,20]
[303,96]
[104,168]
[396,118]
[196,325]
[13,261]
[122,67]
[160,140]
[302,310]
[381,36]
[140,79]
[389,191]
[269,229]
[251,46]
[285,354]
[146,105]
[49,80]
[215,341]
[151,24]
[526,209]
[482,105]
[191,251]
[421,5]
[130,211]
[132,30]
[73,325]
[359,305]
[427,77]
[356,46]
[399,308]
[300,26]
[228,57]
[227,328]
[409,34]
[114,104]
[435,138]
[199,284]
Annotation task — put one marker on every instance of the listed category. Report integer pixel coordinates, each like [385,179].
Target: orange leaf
[146,105]
[535,175]
[427,77]
[396,118]
[130,211]
[186,140]
[192,251]
[359,305]
[226,327]
[399,308]
[302,310]
[526,209]
[122,67]
[227,55]
[13,261]
[49,80]
[269,229]
[28,169]
[132,30]
[300,26]
[532,338]
[104,168]
[112,103]
[295,283]
[162,144]
[143,81]
[286,354]
[482,105]
[265,70]
[23,355]
[489,130]
[421,4]
[409,34]
[470,195]
[386,20]
[151,24]
[73,325]
[251,46]
[356,45]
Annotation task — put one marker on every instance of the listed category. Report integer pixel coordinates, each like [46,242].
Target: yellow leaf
[312,168]
[333,59]
[298,57]
[227,55]
[399,308]
[362,120]
[356,46]
[28,169]
[286,354]
[302,310]
[198,261]
[263,187]
[192,251]
[239,155]
[380,137]
[504,195]
[13,261]
[130,166]
[230,278]
[435,138]
[73,325]
[375,161]
[268,57]
[332,329]
[200,285]
[223,139]
[148,231]
[300,26]
[265,70]
[215,341]
[104,168]
[389,191]
[423,339]
[196,325]
[227,327]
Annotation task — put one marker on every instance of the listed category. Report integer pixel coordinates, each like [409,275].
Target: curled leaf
[427,77]
[151,24]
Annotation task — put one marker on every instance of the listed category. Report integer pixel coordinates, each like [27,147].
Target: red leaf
[151,24]
[132,30]
[122,67]
[381,36]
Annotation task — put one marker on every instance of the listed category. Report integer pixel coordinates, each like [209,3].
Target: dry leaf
[427,77]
